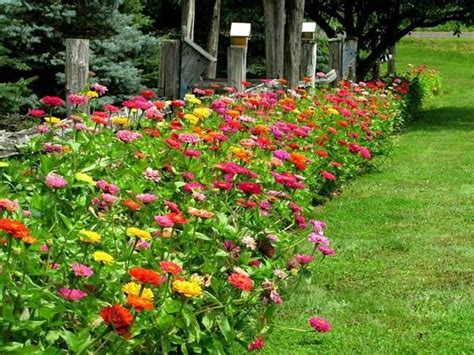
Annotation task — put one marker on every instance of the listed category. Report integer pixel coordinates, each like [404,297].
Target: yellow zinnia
[92,94]
[139,233]
[192,99]
[102,256]
[191,118]
[85,178]
[90,236]
[120,121]
[52,120]
[187,288]
[133,289]
[4,164]
[202,112]
[333,111]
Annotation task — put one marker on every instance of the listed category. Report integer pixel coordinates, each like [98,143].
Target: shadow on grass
[445,118]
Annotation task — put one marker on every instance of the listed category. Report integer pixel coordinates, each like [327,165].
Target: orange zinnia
[139,303]
[14,228]
[146,276]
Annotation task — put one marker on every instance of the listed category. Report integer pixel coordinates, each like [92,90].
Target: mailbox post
[308,51]
[237,54]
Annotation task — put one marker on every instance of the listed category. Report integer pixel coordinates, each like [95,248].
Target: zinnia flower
[257,344]
[55,181]
[14,228]
[320,325]
[8,205]
[138,233]
[241,281]
[139,303]
[81,270]
[133,289]
[146,276]
[72,294]
[53,101]
[102,256]
[90,236]
[187,288]
[326,250]
[250,188]
[119,318]
[170,267]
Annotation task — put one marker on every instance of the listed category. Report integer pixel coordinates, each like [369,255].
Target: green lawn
[402,281]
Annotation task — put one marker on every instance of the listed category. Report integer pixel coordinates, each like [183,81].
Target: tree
[380,24]
[274,11]
[213,38]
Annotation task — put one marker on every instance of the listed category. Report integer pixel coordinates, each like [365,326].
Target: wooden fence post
[77,66]
[274,14]
[349,58]
[308,52]
[335,56]
[293,26]
[237,66]
[170,69]
[188,11]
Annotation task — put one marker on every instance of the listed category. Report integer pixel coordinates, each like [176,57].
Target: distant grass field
[402,281]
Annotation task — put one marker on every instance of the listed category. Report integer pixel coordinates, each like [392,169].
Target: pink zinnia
[81,270]
[71,294]
[326,251]
[101,89]
[318,239]
[189,138]
[151,174]
[36,113]
[52,101]
[304,259]
[55,181]
[320,325]
[146,198]
[327,175]
[164,221]
[74,99]
[127,136]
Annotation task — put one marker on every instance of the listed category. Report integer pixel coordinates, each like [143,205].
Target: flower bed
[176,227]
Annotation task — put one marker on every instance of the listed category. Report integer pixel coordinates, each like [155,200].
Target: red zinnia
[119,318]
[251,188]
[52,101]
[241,281]
[170,267]
[257,344]
[14,228]
[146,276]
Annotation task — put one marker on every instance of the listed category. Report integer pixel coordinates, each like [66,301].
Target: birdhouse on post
[194,61]
[308,51]
[237,55]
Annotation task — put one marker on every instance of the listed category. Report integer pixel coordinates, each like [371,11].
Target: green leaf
[224,326]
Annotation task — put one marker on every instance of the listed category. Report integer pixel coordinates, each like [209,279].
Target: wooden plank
[170,67]
[77,66]
[335,56]
[194,61]
[237,67]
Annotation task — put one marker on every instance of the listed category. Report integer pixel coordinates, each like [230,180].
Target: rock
[9,141]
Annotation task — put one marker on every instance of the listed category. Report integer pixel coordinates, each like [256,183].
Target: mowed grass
[402,281]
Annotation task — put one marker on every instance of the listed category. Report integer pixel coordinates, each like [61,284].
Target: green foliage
[17,95]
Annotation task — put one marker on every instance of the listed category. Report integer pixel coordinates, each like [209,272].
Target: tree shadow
[444,118]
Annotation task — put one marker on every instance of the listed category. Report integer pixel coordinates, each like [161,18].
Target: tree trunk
[294,23]
[213,39]
[274,13]
[188,11]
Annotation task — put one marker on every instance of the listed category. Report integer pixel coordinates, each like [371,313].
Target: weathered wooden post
[77,66]
[294,22]
[237,55]
[170,67]
[188,11]
[308,51]
[392,71]
[335,56]
[274,14]
[349,58]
